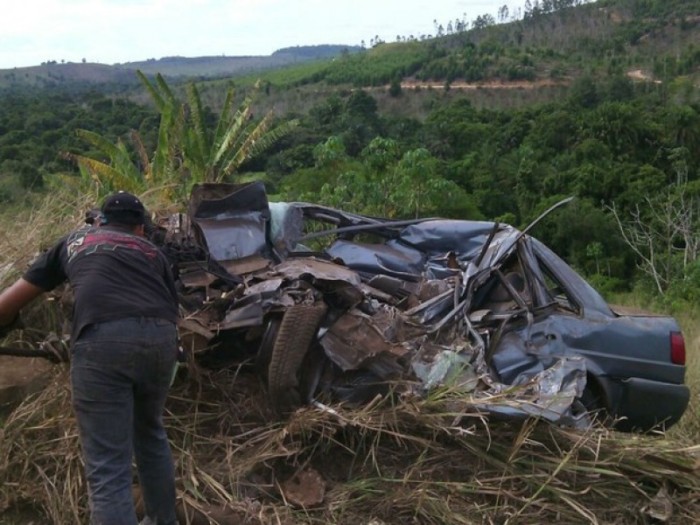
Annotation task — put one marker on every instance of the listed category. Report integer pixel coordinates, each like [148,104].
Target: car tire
[267,344]
[294,337]
[593,401]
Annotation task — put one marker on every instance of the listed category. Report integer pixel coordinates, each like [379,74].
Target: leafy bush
[608,286]
[688,288]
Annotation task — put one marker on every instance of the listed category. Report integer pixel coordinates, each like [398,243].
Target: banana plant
[118,171]
[187,152]
[214,155]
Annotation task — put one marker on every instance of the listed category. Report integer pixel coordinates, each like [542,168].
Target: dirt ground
[636,75]
[20,376]
[495,84]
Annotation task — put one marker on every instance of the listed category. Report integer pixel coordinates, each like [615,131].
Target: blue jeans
[120,375]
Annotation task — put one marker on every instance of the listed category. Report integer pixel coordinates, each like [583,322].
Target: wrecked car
[334,306]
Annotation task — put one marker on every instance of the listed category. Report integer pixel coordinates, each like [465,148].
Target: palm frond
[161,154]
[223,124]
[231,136]
[95,139]
[119,157]
[157,98]
[165,89]
[106,176]
[258,141]
[199,136]
[246,141]
[142,155]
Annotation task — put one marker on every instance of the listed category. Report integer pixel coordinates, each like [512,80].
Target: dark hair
[123,208]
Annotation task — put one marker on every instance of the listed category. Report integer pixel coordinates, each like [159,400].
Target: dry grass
[427,461]
[29,227]
[688,427]
[26,229]
[405,461]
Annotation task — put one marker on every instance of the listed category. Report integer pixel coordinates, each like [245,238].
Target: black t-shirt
[113,273]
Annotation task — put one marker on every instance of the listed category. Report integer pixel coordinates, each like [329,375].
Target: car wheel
[267,344]
[593,401]
[294,337]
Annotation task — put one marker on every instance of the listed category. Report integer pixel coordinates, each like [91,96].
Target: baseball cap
[123,208]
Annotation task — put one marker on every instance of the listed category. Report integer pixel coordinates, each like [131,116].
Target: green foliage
[7,191]
[35,126]
[606,134]
[119,173]
[584,92]
[377,66]
[386,181]
[215,156]
[662,230]
[608,286]
[395,88]
[186,152]
[687,288]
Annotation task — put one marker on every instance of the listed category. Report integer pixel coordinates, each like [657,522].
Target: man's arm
[16,297]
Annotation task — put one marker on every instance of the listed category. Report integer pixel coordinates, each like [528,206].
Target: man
[123,352]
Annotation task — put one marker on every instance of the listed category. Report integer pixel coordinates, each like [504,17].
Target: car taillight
[677,348]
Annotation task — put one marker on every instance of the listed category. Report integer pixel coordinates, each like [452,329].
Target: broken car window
[556,289]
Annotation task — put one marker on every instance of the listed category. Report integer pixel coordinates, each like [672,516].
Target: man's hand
[12,300]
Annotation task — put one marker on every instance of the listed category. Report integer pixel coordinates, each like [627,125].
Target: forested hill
[487,118]
[52,73]
[552,40]
[551,44]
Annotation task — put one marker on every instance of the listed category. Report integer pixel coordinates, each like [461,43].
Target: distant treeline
[624,138]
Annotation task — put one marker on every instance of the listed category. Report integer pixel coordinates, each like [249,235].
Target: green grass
[284,76]
[688,428]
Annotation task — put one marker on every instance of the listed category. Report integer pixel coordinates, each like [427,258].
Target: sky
[117,31]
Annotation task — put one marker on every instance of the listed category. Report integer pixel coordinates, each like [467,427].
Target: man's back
[113,274]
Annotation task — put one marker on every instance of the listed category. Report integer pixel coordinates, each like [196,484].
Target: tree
[421,191]
[584,92]
[664,232]
[595,251]
[187,151]
[359,122]
[483,21]
[391,184]
[395,88]
[214,157]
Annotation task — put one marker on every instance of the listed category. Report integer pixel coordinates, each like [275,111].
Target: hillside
[55,74]
[514,64]
[549,46]
[599,101]
[656,43]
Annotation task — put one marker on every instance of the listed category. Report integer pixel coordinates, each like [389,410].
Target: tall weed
[28,228]
[689,426]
